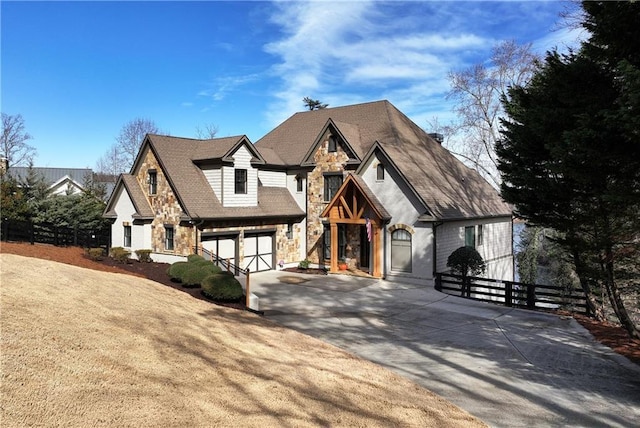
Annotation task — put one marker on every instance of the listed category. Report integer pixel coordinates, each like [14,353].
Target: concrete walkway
[509,367]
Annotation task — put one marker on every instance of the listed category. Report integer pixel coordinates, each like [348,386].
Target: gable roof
[331,126]
[358,184]
[292,138]
[178,158]
[140,203]
[446,187]
[51,176]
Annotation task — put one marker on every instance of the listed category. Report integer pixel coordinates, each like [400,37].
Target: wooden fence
[513,293]
[45,233]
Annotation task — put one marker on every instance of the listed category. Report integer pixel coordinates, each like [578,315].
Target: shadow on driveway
[509,367]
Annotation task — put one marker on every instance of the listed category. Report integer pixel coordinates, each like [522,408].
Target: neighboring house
[64,181]
[61,181]
[361,184]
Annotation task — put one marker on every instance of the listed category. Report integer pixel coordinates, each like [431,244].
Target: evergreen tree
[570,160]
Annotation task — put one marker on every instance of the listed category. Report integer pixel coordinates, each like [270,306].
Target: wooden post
[531,296]
[508,294]
[247,297]
[229,266]
[375,249]
[334,247]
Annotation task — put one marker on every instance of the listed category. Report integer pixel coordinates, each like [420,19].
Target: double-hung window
[153,182]
[470,236]
[241,181]
[127,236]
[168,238]
[332,183]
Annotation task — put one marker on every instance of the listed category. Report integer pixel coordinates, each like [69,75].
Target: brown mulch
[609,334]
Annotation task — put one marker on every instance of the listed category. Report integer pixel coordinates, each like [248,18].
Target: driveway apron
[509,367]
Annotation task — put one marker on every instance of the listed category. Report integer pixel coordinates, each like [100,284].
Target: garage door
[222,246]
[258,251]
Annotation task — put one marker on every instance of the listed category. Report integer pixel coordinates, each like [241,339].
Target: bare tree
[131,137]
[120,156]
[13,143]
[209,132]
[111,163]
[477,92]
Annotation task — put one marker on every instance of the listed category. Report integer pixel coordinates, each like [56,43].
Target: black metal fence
[513,293]
[45,233]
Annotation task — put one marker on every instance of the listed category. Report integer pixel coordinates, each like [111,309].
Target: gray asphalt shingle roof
[448,189]
[178,156]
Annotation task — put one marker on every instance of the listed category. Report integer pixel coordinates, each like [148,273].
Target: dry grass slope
[88,348]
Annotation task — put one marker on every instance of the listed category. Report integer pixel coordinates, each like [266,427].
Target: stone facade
[288,249]
[166,209]
[325,161]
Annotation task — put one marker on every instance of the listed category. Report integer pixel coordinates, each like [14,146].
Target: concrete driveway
[509,367]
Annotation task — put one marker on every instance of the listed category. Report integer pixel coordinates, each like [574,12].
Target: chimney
[439,138]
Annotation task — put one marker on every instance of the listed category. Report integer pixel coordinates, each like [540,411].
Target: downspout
[195,230]
[435,252]
[384,252]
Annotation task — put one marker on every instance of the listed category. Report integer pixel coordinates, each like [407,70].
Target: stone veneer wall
[287,249]
[325,162]
[167,210]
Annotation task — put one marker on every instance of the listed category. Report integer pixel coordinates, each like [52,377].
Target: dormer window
[152,179]
[241,181]
[333,144]
[380,172]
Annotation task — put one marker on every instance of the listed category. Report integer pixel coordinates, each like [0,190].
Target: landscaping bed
[606,333]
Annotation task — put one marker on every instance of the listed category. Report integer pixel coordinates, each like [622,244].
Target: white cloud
[349,52]
[221,86]
[355,51]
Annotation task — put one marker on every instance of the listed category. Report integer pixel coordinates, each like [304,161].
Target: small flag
[368,229]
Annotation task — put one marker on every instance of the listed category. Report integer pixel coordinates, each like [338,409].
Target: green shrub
[194,257]
[96,253]
[207,263]
[177,269]
[222,286]
[466,261]
[304,264]
[195,273]
[120,255]
[144,256]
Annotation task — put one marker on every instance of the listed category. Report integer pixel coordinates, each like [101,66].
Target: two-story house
[361,184]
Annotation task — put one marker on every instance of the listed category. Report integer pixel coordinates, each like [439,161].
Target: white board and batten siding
[404,209]
[242,160]
[495,249]
[140,233]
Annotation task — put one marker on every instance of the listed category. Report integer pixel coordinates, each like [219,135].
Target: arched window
[401,250]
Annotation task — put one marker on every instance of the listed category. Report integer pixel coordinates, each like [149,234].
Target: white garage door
[258,251]
[221,246]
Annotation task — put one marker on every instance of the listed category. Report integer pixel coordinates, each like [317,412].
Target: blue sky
[78,71]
